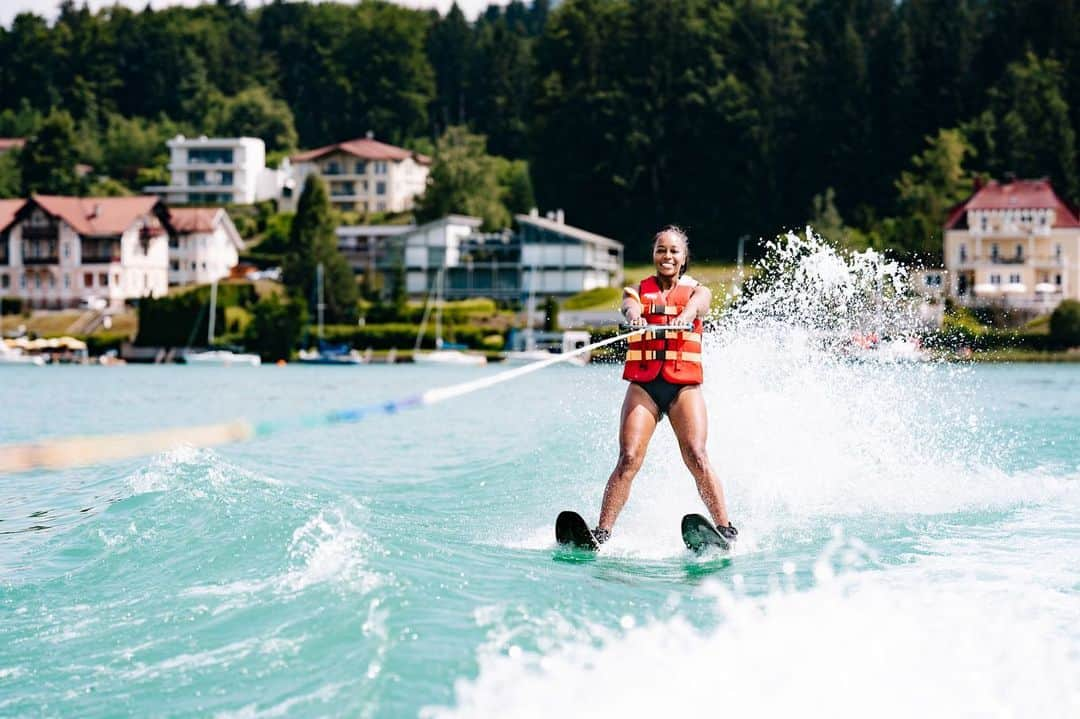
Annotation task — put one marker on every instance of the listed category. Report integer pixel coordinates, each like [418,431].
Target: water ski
[699,534]
[570,528]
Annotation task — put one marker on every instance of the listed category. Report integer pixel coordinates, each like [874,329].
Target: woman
[664,371]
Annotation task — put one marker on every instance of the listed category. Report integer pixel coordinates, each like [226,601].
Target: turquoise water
[910,543]
[909,536]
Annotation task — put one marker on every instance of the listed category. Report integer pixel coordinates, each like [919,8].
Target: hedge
[12,305]
[401,335]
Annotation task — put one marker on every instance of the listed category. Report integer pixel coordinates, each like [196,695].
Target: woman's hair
[678,232]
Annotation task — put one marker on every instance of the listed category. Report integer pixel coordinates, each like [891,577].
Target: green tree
[275,329]
[1065,324]
[517,186]
[254,113]
[464,179]
[936,181]
[10,178]
[129,145]
[312,241]
[1033,132]
[47,161]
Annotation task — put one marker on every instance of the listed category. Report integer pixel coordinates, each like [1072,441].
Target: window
[1019,252]
[1057,280]
[211,157]
[103,279]
[22,282]
[1057,252]
[332,168]
[1014,279]
[995,279]
[88,279]
[67,282]
[361,167]
[380,188]
[52,281]
[193,266]
[67,249]
[5,281]
[963,253]
[116,279]
[994,252]
[984,222]
[197,178]
[174,265]
[380,168]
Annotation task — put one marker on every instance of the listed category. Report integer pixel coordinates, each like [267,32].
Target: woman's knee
[630,460]
[695,456]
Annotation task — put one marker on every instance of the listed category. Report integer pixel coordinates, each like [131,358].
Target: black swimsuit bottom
[662,392]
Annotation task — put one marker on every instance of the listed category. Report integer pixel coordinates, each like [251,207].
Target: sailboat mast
[321,305]
[213,314]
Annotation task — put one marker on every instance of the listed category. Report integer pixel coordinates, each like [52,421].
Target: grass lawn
[56,324]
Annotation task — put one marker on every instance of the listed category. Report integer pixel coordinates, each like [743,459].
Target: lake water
[909,546]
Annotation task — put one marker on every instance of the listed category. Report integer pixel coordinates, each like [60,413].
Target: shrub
[12,305]
[1065,324]
[275,328]
[402,335]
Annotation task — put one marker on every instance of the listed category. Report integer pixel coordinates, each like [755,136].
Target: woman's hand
[632,313]
[685,318]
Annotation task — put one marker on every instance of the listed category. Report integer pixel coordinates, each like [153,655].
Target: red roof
[193,219]
[1016,195]
[96,216]
[364,148]
[8,208]
[10,143]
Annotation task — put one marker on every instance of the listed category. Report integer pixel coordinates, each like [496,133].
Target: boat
[10,354]
[219,357]
[530,345]
[327,352]
[445,353]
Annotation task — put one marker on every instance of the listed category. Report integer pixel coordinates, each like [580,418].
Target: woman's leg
[691,424]
[638,421]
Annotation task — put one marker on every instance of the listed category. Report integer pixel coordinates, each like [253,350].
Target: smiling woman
[665,375]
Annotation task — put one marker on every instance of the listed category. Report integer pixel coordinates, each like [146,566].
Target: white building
[362,175]
[543,256]
[204,247]
[1016,244]
[232,170]
[58,251]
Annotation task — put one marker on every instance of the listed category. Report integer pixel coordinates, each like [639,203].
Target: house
[220,170]
[544,255]
[363,175]
[1014,243]
[204,247]
[59,251]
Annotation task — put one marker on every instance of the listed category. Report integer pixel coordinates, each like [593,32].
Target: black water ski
[699,534]
[570,528]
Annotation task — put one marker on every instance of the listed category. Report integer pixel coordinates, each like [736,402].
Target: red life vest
[674,355]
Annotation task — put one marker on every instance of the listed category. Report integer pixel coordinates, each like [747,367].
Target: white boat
[223,358]
[532,346]
[14,355]
[444,353]
[220,358]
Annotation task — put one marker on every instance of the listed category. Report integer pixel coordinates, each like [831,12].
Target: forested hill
[729,117]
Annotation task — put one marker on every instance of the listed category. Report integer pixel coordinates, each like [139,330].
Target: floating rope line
[79,451]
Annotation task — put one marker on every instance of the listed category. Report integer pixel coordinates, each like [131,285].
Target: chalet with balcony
[58,251]
[204,247]
[363,175]
[1013,243]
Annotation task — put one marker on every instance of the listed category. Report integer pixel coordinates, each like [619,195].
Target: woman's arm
[632,307]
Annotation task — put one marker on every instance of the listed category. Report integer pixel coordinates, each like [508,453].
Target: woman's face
[669,255]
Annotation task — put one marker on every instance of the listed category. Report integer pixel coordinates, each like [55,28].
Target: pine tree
[312,241]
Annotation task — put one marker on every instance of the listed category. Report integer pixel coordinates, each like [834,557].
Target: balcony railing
[47,260]
[100,259]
